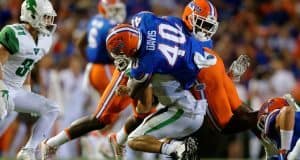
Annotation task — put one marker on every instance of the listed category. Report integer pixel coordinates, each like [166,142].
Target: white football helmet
[39,14]
[114,10]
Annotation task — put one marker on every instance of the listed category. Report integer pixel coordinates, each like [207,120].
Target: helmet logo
[194,7]
[31,6]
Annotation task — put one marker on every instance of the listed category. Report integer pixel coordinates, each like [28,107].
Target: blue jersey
[97,31]
[166,48]
[274,133]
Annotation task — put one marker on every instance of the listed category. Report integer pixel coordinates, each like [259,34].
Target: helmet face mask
[39,14]
[200,17]
[203,28]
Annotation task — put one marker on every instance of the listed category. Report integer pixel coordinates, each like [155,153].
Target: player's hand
[3,107]
[239,67]
[121,63]
[122,90]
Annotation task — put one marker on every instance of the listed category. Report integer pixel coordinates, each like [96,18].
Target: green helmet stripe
[9,40]
[31,6]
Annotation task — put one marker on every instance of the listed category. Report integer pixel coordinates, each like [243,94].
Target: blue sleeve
[141,68]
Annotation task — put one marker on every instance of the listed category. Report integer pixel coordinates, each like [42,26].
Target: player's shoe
[116,148]
[239,67]
[47,152]
[190,149]
[180,152]
[26,154]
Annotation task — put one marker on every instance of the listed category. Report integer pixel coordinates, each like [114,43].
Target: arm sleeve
[9,40]
[141,69]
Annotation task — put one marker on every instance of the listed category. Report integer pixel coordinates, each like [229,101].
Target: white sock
[167,148]
[58,140]
[121,136]
[286,139]
[41,129]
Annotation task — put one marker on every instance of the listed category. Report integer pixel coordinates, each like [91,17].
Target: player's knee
[50,108]
[53,109]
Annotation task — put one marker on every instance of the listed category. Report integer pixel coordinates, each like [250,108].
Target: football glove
[121,63]
[239,67]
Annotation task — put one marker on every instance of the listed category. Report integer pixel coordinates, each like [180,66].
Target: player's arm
[82,43]
[27,83]
[3,89]
[145,101]
[3,58]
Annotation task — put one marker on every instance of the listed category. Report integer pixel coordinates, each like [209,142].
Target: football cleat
[47,152]
[26,154]
[116,148]
[180,152]
[191,149]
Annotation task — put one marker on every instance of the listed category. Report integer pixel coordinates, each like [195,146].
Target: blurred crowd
[266,30]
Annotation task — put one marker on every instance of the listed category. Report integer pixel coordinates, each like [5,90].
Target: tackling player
[200,18]
[21,46]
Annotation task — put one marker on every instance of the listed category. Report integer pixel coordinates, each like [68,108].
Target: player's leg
[117,140]
[48,111]
[164,123]
[89,123]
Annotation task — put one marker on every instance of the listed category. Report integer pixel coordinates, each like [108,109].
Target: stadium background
[265,30]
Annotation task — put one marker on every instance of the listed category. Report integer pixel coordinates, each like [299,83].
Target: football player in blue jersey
[159,46]
[199,20]
[279,123]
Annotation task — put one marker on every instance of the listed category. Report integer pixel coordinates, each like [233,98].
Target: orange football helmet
[114,10]
[272,104]
[200,16]
[267,109]
[123,40]
[122,43]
